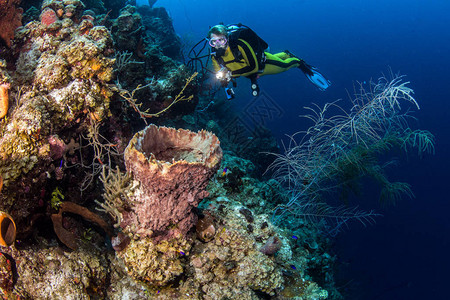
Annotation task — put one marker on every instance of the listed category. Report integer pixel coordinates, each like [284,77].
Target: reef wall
[161,218]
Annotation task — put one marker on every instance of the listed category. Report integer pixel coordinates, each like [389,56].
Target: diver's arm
[250,61]
[216,65]
[222,73]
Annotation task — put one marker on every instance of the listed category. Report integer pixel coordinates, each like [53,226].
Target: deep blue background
[406,254]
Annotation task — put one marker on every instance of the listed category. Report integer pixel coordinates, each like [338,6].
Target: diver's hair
[219,30]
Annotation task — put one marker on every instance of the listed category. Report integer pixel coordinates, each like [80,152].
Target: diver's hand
[224,83]
[224,75]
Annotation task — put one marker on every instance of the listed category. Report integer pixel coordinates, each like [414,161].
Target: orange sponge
[4,103]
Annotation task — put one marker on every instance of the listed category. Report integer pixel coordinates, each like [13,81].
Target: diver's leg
[274,64]
[307,69]
[282,55]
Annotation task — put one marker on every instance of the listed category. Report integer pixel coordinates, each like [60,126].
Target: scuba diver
[239,51]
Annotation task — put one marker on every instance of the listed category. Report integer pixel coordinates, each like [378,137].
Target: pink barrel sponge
[173,168]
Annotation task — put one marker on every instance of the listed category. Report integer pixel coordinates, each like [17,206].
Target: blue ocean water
[405,254]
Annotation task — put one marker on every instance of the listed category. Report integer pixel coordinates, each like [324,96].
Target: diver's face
[218,41]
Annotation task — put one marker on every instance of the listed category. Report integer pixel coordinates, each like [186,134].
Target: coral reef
[238,184]
[127,29]
[173,168]
[52,274]
[6,276]
[226,264]
[60,82]
[145,114]
[272,246]
[155,263]
[7,226]
[143,27]
[231,263]
[67,237]
[64,84]
[147,69]
[205,228]
[10,19]
[302,289]
[159,31]
[309,262]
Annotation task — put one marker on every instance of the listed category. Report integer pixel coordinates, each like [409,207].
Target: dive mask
[218,42]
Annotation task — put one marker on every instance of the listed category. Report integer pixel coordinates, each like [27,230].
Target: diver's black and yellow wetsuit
[244,62]
[279,62]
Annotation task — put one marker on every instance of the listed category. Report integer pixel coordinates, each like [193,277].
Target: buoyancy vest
[244,55]
[238,32]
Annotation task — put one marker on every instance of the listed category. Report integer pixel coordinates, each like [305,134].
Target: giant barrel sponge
[173,168]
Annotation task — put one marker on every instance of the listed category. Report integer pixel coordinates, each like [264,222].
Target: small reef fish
[224,172]
[181,252]
[295,237]
[293,267]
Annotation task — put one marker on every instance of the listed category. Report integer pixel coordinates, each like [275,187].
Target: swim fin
[311,73]
[314,76]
